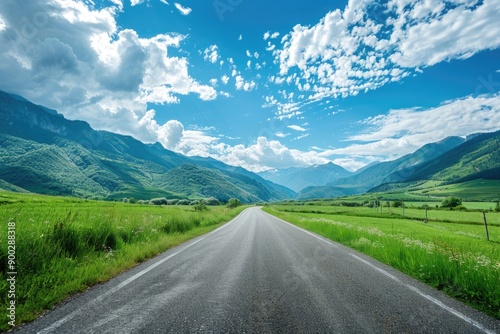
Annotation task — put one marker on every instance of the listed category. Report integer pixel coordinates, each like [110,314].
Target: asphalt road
[258,274]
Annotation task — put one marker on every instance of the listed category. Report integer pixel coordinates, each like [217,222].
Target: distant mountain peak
[298,178]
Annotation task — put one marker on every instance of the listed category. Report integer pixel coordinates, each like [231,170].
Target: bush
[212,201]
[397,204]
[159,201]
[233,203]
[497,207]
[201,206]
[451,202]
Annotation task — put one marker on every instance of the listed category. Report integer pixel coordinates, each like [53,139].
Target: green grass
[412,211]
[475,189]
[453,257]
[65,245]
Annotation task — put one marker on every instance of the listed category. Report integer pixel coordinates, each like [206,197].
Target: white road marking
[408,286]
[60,322]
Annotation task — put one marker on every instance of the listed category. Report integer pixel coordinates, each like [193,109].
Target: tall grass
[451,257]
[65,245]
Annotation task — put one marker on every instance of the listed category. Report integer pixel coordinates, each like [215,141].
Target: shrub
[159,201]
[211,201]
[397,204]
[451,202]
[233,203]
[201,206]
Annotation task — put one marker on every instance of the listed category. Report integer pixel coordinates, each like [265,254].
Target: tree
[233,203]
[451,202]
[497,208]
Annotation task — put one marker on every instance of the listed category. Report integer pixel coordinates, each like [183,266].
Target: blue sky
[262,85]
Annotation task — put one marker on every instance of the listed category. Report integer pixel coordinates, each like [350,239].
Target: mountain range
[298,178]
[453,159]
[43,152]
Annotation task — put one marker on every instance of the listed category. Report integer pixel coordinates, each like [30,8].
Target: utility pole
[486,226]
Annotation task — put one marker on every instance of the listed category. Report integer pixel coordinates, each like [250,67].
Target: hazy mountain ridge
[43,152]
[298,178]
[452,159]
[380,173]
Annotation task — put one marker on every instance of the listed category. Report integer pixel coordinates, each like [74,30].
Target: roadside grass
[411,211]
[65,245]
[453,257]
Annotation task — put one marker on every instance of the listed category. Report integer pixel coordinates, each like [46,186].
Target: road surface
[259,274]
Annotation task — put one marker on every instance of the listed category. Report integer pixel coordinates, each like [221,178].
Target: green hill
[42,152]
[477,157]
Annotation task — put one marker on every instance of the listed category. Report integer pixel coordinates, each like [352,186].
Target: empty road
[259,274]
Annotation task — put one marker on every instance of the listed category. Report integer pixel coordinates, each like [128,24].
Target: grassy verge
[452,257]
[410,212]
[65,245]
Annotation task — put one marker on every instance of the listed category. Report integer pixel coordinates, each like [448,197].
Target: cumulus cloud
[267,154]
[170,134]
[241,84]
[211,54]
[74,58]
[369,44]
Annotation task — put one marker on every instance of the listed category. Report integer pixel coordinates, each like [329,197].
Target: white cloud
[296,128]
[240,37]
[3,25]
[165,2]
[170,134]
[82,64]
[211,54]
[262,155]
[396,134]
[301,136]
[266,154]
[241,84]
[364,46]
[183,10]
[214,82]
[281,134]
[268,35]
[225,79]
[136,2]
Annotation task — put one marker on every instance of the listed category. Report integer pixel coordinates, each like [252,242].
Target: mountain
[477,157]
[384,172]
[41,151]
[300,178]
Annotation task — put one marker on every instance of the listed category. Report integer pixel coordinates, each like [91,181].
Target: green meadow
[65,245]
[450,252]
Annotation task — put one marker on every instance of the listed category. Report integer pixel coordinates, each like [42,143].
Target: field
[65,245]
[450,252]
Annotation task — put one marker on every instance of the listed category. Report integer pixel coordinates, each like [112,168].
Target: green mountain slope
[196,181]
[41,151]
[478,157]
[384,172]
